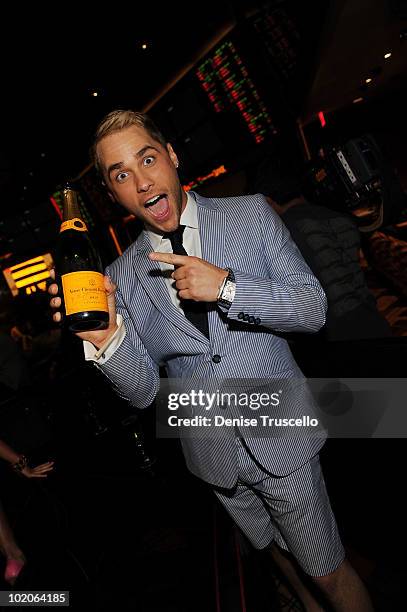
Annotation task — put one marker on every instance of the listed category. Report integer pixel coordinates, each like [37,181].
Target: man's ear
[173,155]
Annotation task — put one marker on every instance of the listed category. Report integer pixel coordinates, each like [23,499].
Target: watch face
[228,293]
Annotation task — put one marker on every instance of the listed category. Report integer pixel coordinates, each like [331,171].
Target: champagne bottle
[79,272]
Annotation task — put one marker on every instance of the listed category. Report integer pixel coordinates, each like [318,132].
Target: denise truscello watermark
[221,421]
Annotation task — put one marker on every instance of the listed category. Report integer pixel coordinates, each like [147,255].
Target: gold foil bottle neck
[71,204]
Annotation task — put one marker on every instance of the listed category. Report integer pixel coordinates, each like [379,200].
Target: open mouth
[158,206]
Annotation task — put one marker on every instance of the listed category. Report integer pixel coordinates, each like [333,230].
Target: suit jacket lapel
[150,276]
[212,231]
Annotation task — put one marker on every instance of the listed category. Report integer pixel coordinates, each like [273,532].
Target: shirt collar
[189,218]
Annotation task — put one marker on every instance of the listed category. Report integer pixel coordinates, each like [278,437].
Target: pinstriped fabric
[293,511]
[275,292]
[134,364]
[207,456]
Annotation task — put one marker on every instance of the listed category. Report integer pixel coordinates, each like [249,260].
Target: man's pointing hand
[195,278]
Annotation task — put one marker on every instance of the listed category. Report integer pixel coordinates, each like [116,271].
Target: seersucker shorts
[294,511]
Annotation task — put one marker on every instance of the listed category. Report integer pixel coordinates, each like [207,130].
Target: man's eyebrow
[145,149]
[118,165]
[115,166]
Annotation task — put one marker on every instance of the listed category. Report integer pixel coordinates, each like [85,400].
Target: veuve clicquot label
[84,291]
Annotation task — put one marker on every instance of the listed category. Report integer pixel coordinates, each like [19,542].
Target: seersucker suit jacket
[275,292]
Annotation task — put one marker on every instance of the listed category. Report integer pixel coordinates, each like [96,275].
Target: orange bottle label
[75,224]
[84,291]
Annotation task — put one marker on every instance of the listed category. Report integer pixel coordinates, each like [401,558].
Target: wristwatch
[227,290]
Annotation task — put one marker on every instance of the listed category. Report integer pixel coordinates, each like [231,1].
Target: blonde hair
[118,120]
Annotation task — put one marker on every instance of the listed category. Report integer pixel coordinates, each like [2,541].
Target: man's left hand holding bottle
[99,337]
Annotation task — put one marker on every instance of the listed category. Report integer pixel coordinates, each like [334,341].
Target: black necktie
[196,312]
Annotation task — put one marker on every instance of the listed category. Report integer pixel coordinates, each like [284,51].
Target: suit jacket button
[251,319]
[257,321]
[216,359]
[246,317]
[240,315]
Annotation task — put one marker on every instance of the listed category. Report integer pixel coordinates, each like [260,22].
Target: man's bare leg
[344,590]
[290,572]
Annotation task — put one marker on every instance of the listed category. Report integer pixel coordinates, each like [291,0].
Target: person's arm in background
[20,463]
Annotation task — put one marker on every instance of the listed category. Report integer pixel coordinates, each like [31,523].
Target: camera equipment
[356,177]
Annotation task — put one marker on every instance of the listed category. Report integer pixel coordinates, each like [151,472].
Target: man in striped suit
[240,263]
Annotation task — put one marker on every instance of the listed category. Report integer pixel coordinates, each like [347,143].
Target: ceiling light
[94,94]
[387,55]
[144,46]
[368,80]
[356,100]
